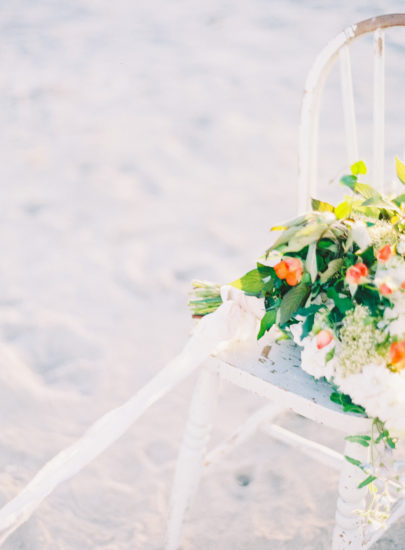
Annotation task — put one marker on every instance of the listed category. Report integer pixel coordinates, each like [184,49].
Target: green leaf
[391,443]
[292,301]
[265,270]
[321,206]
[307,326]
[343,304]
[363,440]
[333,268]
[349,181]
[368,256]
[353,461]
[309,314]
[305,236]
[400,169]
[343,210]
[358,168]
[399,200]
[267,322]
[351,407]
[362,189]
[251,283]
[330,355]
[382,435]
[367,481]
[346,403]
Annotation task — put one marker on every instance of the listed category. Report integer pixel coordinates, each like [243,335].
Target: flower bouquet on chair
[334,282]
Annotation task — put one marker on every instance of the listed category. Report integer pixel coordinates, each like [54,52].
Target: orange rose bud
[290,269]
[384,289]
[292,278]
[363,269]
[357,273]
[397,354]
[403,285]
[281,270]
[323,338]
[385,253]
[294,264]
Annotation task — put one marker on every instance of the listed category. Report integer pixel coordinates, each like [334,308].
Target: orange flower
[385,253]
[281,270]
[323,338]
[384,289]
[293,278]
[357,273]
[397,354]
[289,269]
[403,285]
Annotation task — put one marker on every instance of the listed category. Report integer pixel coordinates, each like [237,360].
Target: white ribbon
[236,318]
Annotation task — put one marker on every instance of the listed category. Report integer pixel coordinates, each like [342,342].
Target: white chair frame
[286,388]
[269,370]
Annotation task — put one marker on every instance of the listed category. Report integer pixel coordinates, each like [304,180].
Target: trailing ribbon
[235,319]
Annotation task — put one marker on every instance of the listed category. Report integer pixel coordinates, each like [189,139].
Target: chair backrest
[308,141]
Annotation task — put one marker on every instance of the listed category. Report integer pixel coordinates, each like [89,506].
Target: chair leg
[348,532]
[192,452]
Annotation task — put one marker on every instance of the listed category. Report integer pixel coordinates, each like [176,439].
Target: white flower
[401,246]
[313,360]
[360,235]
[381,392]
[396,316]
[296,331]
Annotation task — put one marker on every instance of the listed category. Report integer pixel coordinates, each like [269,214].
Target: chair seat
[272,369]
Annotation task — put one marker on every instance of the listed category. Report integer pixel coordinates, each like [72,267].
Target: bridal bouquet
[334,282]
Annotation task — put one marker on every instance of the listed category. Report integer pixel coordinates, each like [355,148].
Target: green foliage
[368,256]
[400,199]
[367,481]
[251,283]
[332,269]
[342,303]
[292,301]
[362,189]
[330,355]
[346,402]
[363,440]
[353,461]
[321,206]
[370,441]
[267,322]
[358,168]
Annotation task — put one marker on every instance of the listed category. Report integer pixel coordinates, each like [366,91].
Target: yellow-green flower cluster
[358,337]
[381,234]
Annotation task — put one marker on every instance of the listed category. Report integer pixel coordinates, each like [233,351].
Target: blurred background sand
[145,144]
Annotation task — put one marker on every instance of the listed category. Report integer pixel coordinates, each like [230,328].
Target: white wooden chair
[268,369]
[271,370]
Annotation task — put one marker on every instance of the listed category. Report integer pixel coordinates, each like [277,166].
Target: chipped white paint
[280,379]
